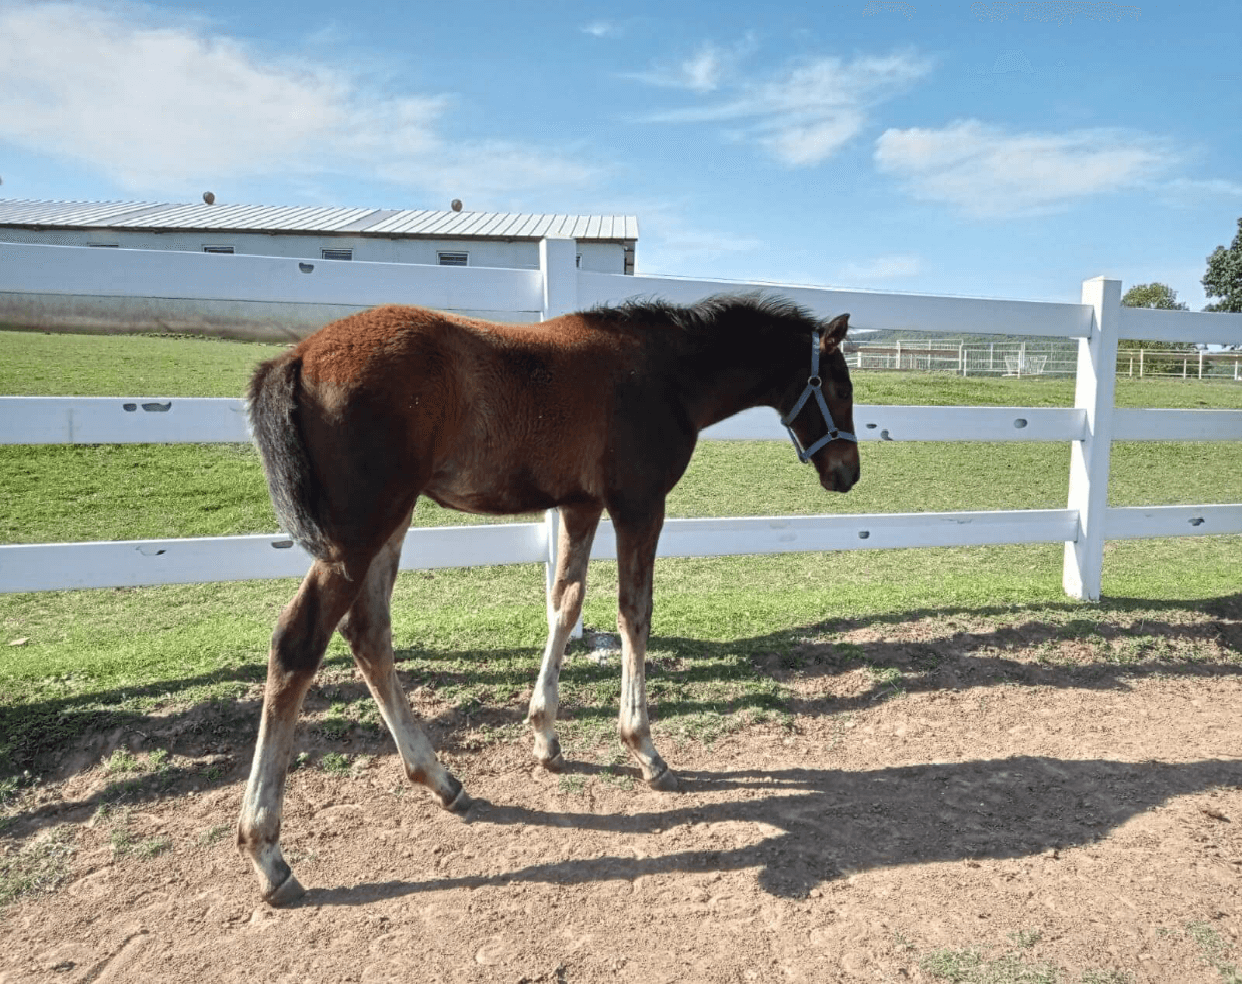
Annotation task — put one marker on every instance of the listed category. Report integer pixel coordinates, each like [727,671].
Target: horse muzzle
[840,478]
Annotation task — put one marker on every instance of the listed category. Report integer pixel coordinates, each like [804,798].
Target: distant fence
[1096,322]
[1051,358]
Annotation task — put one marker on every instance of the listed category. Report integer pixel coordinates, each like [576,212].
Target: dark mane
[720,314]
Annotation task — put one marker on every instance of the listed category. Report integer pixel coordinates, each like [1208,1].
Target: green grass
[122,761]
[1214,951]
[58,493]
[38,364]
[98,660]
[125,845]
[216,832]
[38,866]
[971,967]
[335,764]
[572,785]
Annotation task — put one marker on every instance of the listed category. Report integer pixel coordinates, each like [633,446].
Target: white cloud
[601,29]
[809,111]
[882,268]
[163,107]
[990,173]
[1196,188]
[702,72]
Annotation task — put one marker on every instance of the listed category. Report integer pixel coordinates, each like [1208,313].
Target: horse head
[818,409]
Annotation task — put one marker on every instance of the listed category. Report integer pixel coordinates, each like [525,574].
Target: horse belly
[516,491]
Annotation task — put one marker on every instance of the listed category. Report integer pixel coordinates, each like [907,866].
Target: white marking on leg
[298,644]
[368,629]
[545,699]
[636,546]
[575,531]
[417,754]
[258,827]
[634,725]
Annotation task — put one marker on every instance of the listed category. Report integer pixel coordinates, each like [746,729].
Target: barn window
[217,249]
[454,259]
[336,254]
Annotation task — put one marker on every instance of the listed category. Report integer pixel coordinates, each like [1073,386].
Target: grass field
[99,659]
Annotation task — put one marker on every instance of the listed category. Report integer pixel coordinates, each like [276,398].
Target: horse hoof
[554,764]
[461,803]
[664,782]
[290,890]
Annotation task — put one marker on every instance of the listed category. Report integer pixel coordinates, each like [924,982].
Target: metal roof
[394,223]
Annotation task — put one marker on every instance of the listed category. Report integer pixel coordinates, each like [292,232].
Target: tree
[1153,296]
[1224,276]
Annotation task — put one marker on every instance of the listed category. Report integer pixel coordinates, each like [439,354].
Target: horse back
[490,417]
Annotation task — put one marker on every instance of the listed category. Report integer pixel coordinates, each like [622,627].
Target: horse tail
[276,428]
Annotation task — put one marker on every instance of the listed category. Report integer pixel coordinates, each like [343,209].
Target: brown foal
[591,411]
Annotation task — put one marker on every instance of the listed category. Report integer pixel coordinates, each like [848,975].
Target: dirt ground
[1054,813]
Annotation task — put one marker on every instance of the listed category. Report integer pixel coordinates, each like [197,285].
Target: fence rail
[557,287]
[217,420]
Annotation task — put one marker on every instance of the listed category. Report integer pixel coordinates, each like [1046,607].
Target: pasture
[902,764]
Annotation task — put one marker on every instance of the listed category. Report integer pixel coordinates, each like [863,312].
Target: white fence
[1006,358]
[1090,426]
[1050,357]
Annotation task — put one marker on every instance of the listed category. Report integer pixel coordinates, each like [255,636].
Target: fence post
[558,263]
[552,520]
[1088,480]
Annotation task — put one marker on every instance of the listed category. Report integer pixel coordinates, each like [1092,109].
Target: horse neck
[727,379]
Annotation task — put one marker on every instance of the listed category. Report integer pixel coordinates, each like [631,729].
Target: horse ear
[834,333]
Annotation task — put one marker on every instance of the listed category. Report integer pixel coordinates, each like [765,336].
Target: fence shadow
[87,727]
[836,823]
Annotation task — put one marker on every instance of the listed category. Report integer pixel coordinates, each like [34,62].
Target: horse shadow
[979,660]
[835,823]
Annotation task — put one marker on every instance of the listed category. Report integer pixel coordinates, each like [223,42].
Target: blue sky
[987,148]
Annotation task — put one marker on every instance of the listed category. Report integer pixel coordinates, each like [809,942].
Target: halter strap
[814,385]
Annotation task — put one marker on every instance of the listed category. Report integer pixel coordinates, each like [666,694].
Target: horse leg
[298,645]
[367,627]
[577,531]
[636,548]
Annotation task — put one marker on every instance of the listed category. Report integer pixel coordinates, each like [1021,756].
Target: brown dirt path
[1094,831]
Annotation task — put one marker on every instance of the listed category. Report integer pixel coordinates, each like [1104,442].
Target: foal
[585,412]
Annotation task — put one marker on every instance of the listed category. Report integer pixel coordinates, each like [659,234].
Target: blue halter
[814,385]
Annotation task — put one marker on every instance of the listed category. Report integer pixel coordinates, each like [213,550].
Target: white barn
[604,244]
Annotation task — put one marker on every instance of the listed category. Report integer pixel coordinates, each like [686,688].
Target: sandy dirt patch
[1054,819]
